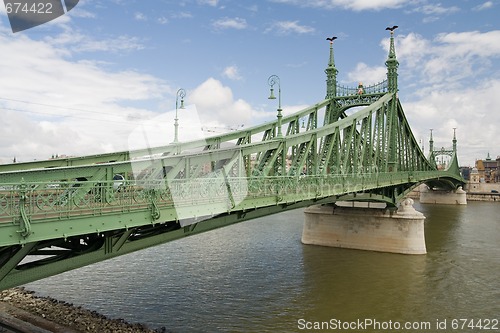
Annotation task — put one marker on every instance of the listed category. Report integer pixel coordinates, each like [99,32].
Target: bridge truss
[62,214]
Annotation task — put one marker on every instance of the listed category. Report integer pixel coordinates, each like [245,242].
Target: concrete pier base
[371,229]
[428,196]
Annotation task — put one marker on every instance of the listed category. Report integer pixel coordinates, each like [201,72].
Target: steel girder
[77,213]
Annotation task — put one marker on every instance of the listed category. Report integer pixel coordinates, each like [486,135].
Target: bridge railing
[184,197]
[378,88]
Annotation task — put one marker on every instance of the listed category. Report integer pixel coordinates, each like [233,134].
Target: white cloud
[52,105]
[212,3]
[291,109]
[230,23]
[359,5]
[363,73]
[215,102]
[471,43]
[486,5]
[435,12]
[411,48]
[182,15]
[436,9]
[160,130]
[289,27]
[162,20]
[140,16]
[232,72]
[449,58]
[356,5]
[448,82]
[472,111]
[79,12]
[217,107]
[77,42]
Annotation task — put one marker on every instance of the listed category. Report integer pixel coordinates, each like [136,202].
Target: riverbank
[471,196]
[45,314]
[477,196]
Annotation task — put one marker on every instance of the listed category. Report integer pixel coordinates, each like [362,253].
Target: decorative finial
[391,29]
[331,72]
[392,50]
[331,62]
[392,64]
[331,39]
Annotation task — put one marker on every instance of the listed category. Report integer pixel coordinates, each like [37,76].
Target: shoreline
[471,196]
[22,309]
[483,196]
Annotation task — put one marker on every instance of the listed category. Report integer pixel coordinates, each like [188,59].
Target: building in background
[485,176]
[488,169]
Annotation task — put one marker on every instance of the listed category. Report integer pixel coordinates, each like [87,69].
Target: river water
[257,277]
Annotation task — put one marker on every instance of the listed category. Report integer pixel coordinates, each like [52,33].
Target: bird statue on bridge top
[391,29]
[331,39]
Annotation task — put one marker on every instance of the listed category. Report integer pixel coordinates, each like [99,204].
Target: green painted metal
[77,211]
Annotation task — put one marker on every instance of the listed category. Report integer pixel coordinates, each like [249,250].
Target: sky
[85,82]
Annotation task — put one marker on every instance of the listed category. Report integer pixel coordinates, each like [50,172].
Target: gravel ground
[46,310]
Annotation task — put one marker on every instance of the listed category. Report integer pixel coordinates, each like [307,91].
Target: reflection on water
[257,276]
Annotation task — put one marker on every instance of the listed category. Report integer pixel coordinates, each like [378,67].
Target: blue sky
[84,82]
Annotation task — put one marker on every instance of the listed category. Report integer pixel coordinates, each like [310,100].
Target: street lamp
[273,79]
[180,93]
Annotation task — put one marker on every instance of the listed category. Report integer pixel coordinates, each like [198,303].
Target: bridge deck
[55,213]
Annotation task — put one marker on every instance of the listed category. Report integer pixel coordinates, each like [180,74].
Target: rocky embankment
[51,315]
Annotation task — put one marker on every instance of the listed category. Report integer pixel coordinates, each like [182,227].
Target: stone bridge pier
[365,228]
[429,196]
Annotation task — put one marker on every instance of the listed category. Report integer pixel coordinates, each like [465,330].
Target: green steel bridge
[61,214]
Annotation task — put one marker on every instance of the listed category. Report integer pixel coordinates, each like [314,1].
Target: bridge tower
[431,193]
[360,225]
[332,112]
[392,65]
[431,148]
[331,73]
[392,86]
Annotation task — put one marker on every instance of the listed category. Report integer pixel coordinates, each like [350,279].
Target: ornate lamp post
[273,79]
[180,93]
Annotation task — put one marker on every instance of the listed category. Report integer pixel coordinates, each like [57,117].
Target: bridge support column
[373,229]
[457,197]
